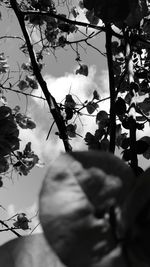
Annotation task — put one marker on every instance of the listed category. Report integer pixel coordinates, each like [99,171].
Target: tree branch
[73,22]
[12,230]
[132,112]
[54,108]
[111,88]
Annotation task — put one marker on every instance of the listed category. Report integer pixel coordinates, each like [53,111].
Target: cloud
[81,88]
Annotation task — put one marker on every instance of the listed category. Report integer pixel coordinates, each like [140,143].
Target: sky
[20,194]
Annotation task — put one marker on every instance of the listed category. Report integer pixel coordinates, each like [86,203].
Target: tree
[126,28]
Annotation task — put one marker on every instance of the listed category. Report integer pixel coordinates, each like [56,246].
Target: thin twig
[11,229]
[23,93]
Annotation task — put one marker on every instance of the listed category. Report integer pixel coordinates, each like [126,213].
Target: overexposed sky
[21,193]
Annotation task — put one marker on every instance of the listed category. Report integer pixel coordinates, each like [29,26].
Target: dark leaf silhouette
[83,70]
[141,146]
[75,187]
[71,130]
[96,95]
[125,143]
[91,17]
[91,107]
[120,106]
[127,154]
[102,118]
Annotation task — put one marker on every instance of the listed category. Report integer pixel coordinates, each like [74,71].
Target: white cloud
[11,210]
[81,88]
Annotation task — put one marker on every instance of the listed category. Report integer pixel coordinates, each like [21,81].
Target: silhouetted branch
[111,88]
[54,108]
[73,22]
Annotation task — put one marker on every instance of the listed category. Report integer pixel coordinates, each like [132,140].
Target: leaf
[13,142]
[96,95]
[99,133]
[2,56]
[88,4]
[5,112]
[146,154]
[145,105]
[3,100]
[4,165]
[27,151]
[5,148]
[1,182]
[91,107]
[146,29]
[126,123]
[118,130]
[74,12]
[69,101]
[114,47]
[126,154]
[125,142]
[27,67]
[109,11]
[27,160]
[64,27]
[69,113]
[117,68]
[8,127]
[62,41]
[105,144]
[91,17]
[24,122]
[89,138]
[30,124]
[135,218]
[32,82]
[92,141]
[35,19]
[81,5]
[141,146]
[120,107]
[83,70]
[120,139]
[138,10]
[23,85]
[134,86]
[140,126]
[102,118]
[75,186]
[22,221]
[140,118]
[4,67]
[71,130]
[45,3]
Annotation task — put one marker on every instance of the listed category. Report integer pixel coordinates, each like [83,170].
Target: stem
[134,159]
[111,88]
[12,230]
[132,112]
[54,108]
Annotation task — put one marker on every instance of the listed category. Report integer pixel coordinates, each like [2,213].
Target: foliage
[126,28]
